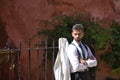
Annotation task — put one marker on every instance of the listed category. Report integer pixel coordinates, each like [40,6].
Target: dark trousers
[79,76]
[86,75]
[91,73]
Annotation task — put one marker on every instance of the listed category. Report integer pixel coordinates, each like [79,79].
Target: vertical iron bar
[53,53]
[37,62]
[29,62]
[19,63]
[12,63]
[46,47]
[9,53]
[0,73]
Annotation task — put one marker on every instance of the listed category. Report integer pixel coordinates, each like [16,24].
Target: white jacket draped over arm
[61,66]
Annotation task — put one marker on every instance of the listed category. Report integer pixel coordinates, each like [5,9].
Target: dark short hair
[78,27]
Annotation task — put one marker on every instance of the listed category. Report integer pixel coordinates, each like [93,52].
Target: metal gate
[17,63]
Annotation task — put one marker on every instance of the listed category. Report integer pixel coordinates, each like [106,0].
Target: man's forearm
[89,62]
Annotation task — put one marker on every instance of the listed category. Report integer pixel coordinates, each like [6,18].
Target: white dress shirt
[72,53]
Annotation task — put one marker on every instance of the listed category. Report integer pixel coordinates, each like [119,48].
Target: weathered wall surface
[23,18]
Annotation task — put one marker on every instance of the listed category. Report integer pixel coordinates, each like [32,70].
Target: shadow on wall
[3,34]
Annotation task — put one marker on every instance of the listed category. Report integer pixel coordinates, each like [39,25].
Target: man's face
[77,34]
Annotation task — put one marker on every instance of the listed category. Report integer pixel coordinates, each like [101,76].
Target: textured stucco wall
[24,18]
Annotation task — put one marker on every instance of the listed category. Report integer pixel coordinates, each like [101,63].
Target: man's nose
[77,35]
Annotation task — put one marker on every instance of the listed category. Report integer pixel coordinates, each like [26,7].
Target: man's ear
[72,33]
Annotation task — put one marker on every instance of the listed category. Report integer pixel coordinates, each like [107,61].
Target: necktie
[83,53]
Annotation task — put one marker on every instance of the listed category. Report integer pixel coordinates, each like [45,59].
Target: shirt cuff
[91,63]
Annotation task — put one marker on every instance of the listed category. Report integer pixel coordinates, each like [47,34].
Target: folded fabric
[61,66]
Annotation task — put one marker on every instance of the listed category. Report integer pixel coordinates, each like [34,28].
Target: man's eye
[75,34]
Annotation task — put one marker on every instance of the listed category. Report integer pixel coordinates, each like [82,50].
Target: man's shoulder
[71,46]
[85,45]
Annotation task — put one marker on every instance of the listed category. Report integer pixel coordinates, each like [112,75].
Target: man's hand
[83,62]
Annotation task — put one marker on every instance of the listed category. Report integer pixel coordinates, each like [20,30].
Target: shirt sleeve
[91,62]
[73,58]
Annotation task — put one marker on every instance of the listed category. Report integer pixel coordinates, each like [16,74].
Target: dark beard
[78,40]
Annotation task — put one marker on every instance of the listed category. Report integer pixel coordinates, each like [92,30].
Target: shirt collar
[76,43]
